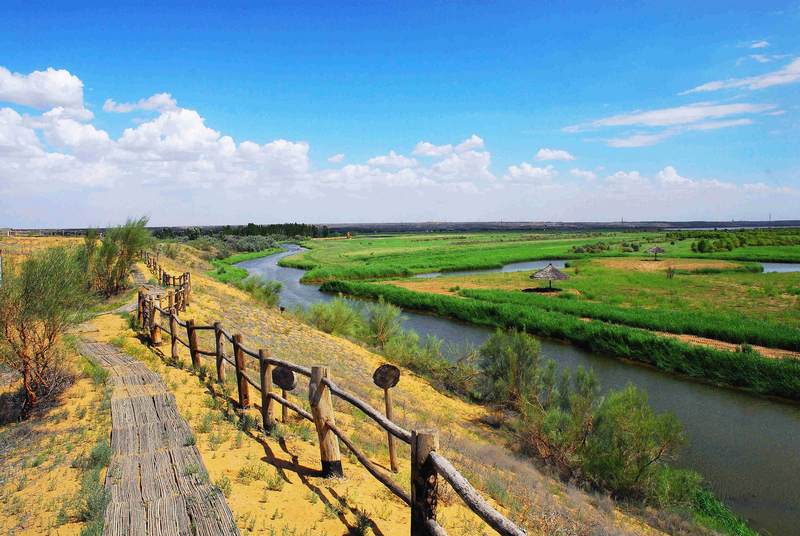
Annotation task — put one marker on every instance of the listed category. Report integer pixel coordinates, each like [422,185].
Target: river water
[747,447]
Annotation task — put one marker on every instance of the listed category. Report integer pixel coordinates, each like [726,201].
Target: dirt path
[772,353]
[157,481]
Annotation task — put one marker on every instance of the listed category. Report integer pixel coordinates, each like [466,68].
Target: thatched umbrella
[655,250]
[550,273]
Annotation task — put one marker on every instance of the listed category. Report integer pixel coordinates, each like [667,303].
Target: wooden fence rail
[426,463]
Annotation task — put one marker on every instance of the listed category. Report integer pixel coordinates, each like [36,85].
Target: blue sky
[615,92]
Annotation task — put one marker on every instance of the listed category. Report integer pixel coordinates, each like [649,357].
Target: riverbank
[225,270]
[744,369]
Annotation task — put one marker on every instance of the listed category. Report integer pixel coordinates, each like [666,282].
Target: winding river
[747,447]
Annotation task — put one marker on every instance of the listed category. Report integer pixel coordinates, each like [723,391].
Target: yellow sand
[38,480]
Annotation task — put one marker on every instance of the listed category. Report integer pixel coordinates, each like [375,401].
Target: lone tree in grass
[550,273]
[655,250]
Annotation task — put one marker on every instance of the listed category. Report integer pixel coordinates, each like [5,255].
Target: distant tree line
[709,241]
[276,230]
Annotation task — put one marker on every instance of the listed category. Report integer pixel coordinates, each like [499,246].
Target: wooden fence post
[155,325]
[191,334]
[140,309]
[387,393]
[171,299]
[244,387]
[173,329]
[322,409]
[423,480]
[218,352]
[267,404]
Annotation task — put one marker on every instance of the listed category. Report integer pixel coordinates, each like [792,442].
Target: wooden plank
[158,485]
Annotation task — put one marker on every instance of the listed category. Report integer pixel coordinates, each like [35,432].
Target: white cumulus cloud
[42,89]
[583,174]
[393,160]
[553,154]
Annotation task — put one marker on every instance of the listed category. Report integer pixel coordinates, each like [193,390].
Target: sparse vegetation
[38,303]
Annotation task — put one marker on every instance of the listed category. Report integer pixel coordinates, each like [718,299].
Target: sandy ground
[37,480]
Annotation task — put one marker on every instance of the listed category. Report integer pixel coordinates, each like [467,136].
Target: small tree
[38,303]
[383,322]
[628,440]
[510,362]
[117,252]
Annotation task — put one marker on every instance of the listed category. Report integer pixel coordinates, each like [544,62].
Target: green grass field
[612,302]
[225,271]
[367,257]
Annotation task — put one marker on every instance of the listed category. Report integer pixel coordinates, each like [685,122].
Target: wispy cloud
[788,74]
[679,115]
[759,44]
[160,102]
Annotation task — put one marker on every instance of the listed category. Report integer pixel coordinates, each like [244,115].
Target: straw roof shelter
[550,273]
[655,250]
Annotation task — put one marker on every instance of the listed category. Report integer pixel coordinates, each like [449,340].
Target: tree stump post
[173,330]
[241,381]
[191,335]
[267,404]
[423,480]
[322,409]
[218,350]
[155,324]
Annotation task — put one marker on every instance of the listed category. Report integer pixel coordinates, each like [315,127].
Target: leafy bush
[510,363]
[626,440]
[336,317]
[264,290]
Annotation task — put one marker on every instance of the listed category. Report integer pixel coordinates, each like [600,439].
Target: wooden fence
[427,465]
[179,286]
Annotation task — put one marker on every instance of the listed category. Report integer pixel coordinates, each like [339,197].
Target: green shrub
[510,364]
[263,290]
[109,265]
[336,317]
[383,322]
[627,440]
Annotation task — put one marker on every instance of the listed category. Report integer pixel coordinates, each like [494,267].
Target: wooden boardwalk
[156,480]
